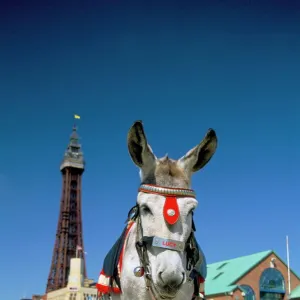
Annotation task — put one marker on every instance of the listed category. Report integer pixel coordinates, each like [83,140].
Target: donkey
[157,257]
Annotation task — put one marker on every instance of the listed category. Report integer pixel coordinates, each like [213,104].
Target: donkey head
[165,171]
[168,267]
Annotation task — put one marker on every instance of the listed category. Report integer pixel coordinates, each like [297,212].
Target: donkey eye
[146,210]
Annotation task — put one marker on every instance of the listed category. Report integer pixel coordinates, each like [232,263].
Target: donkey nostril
[160,277]
[173,282]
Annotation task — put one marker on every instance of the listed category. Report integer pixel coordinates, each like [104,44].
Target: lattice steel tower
[69,233]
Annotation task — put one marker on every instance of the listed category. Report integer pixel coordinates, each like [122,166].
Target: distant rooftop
[221,276]
[295,294]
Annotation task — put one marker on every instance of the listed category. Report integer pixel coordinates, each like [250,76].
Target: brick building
[262,275]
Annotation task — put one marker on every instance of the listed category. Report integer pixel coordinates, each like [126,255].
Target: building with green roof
[262,275]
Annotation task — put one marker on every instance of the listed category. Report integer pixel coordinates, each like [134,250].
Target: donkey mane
[167,173]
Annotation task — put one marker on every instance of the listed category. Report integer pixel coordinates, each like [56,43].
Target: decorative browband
[166,191]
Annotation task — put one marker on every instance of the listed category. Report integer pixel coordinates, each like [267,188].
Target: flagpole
[76,117]
[288,263]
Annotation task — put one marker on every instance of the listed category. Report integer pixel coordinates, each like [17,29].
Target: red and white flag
[79,248]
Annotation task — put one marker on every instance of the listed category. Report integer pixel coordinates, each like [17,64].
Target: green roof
[295,293]
[221,276]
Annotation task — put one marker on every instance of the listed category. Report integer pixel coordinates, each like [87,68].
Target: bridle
[172,215]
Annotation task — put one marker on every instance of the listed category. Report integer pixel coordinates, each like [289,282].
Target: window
[74,184]
[74,149]
[73,229]
[53,272]
[73,205]
[222,265]
[249,293]
[271,284]
[73,195]
[218,275]
[71,242]
[72,296]
[271,296]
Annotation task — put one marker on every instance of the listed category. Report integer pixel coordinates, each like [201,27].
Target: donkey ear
[199,156]
[139,150]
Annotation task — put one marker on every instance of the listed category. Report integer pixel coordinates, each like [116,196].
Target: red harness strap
[171,210]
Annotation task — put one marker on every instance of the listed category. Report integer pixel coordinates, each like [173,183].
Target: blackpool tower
[69,235]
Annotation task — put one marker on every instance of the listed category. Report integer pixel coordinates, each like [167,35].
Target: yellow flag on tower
[76,117]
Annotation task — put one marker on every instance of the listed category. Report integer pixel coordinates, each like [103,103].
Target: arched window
[271,284]
[74,184]
[249,293]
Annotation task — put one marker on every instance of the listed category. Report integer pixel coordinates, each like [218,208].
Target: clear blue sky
[180,68]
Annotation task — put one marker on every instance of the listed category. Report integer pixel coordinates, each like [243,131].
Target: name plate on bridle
[168,244]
